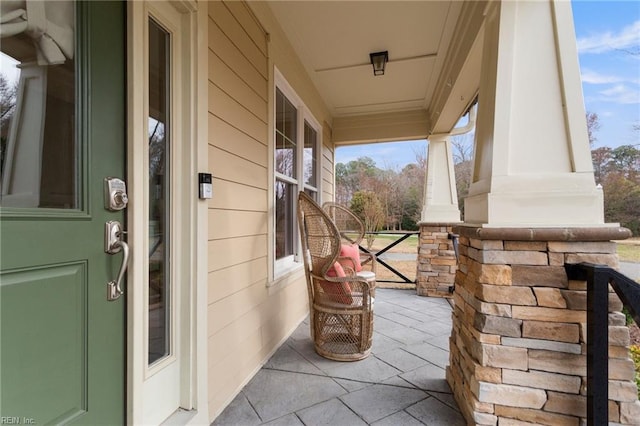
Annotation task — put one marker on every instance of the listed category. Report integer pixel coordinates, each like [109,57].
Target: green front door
[63,131]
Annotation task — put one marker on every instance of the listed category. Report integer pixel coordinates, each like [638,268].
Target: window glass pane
[279,112]
[310,155]
[290,121]
[311,193]
[38,151]
[286,137]
[285,156]
[285,218]
[159,197]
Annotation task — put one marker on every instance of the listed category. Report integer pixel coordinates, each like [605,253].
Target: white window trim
[192,345]
[282,268]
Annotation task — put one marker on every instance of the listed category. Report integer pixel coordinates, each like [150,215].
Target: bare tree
[367,206]
[462,146]
[7,107]
[593,125]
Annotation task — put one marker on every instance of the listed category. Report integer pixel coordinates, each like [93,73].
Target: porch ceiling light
[379,60]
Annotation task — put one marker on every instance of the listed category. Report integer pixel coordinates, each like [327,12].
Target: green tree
[618,171]
[625,159]
[356,175]
[367,206]
[622,201]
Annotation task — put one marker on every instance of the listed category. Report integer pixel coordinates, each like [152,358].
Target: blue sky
[608,37]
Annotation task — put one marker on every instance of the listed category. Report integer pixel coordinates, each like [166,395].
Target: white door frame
[184,373]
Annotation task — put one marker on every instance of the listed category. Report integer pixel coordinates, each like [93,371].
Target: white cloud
[628,37]
[620,94]
[593,77]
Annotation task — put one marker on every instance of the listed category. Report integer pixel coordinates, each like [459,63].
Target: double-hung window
[297,138]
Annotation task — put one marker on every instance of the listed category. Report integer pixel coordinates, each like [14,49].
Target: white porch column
[437,265]
[440,196]
[532,164]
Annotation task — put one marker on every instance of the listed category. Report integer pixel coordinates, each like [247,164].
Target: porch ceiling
[333,40]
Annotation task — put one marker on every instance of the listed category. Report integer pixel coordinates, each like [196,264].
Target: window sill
[286,276]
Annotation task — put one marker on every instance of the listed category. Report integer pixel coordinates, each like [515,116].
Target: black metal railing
[598,278]
[377,254]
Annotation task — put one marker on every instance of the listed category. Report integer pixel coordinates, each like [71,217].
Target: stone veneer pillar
[517,349]
[437,263]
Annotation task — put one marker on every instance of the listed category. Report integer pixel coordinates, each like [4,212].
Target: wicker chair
[340,303]
[351,231]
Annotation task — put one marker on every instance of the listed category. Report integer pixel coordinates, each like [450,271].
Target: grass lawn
[410,245]
[629,250]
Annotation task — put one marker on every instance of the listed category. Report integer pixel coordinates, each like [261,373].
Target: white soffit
[334,38]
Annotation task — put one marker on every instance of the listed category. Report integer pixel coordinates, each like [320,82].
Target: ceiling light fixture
[379,60]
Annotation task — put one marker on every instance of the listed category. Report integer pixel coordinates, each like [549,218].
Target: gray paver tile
[382,308]
[370,369]
[306,349]
[382,343]
[433,354]
[400,318]
[286,358]
[439,328]
[441,341]
[385,326]
[302,332]
[399,382]
[239,412]
[330,413]
[416,315]
[433,412]
[428,377]
[400,418]
[276,393]
[445,398]
[288,420]
[401,359]
[406,335]
[379,401]
[391,295]
[352,385]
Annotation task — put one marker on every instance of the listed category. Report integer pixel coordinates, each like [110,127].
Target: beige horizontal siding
[249,23]
[236,223]
[231,167]
[227,281]
[247,320]
[234,31]
[237,196]
[235,306]
[232,251]
[230,110]
[327,187]
[233,140]
[220,44]
[230,83]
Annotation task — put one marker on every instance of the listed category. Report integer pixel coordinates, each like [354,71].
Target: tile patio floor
[401,383]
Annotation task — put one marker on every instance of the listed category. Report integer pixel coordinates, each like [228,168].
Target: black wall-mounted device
[205,187]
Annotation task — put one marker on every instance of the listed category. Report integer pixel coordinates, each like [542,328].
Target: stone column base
[437,263]
[517,349]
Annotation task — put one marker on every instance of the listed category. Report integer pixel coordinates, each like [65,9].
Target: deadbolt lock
[115,194]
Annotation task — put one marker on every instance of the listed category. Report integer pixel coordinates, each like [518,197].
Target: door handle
[113,244]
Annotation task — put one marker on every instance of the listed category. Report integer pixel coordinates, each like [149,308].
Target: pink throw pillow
[352,251]
[338,292]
